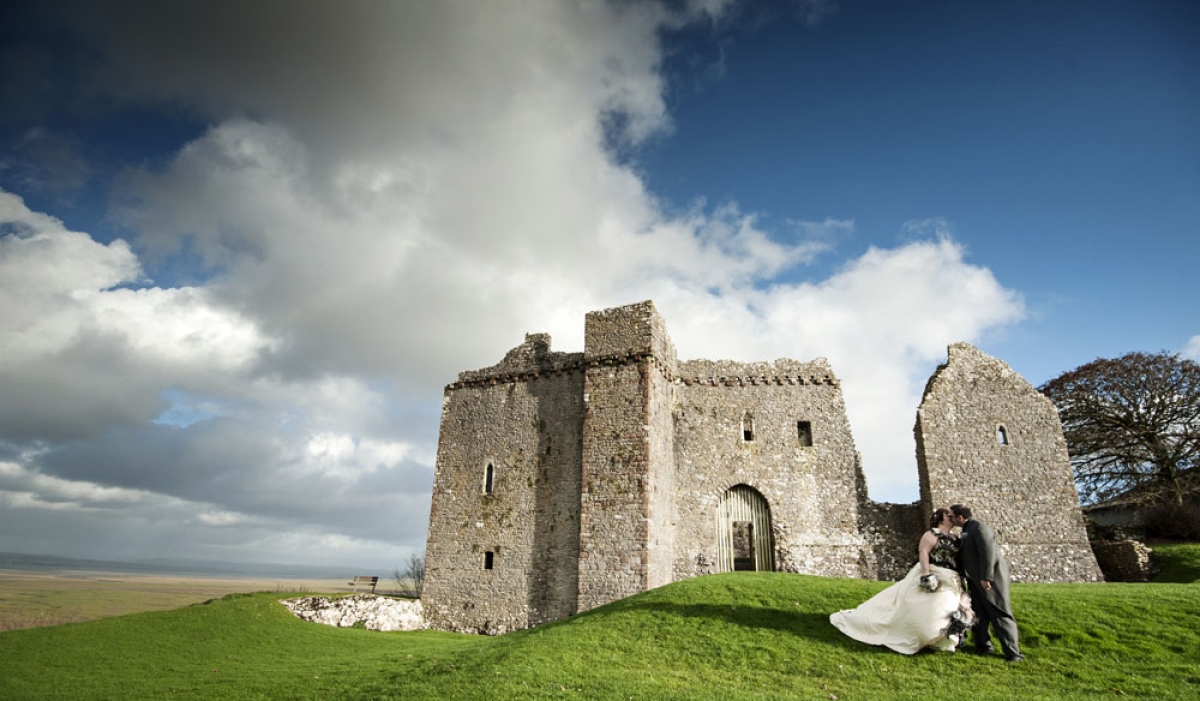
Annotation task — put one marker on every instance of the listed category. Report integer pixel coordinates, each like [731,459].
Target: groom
[987,576]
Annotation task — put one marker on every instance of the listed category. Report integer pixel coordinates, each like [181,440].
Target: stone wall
[891,533]
[662,484]
[1124,560]
[629,360]
[986,438]
[523,417]
[811,489]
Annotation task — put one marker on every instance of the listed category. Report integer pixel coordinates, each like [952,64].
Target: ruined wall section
[523,416]
[811,489]
[986,438]
[892,533]
[627,398]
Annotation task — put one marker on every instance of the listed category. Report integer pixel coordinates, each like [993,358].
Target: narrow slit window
[804,433]
[489,477]
[747,428]
[489,560]
[1002,435]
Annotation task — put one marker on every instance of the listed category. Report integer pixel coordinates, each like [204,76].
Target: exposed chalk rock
[373,612]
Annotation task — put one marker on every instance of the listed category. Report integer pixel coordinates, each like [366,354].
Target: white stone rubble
[374,612]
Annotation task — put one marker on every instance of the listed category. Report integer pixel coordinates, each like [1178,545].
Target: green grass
[734,636]
[1179,562]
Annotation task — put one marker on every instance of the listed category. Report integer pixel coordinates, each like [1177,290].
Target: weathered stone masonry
[988,439]
[568,480]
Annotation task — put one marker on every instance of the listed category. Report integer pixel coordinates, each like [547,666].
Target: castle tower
[504,523]
[625,528]
[986,438]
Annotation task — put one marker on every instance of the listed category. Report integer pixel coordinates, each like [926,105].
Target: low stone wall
[1123,560]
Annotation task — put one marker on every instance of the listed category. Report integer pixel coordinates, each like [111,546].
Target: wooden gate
[744,531]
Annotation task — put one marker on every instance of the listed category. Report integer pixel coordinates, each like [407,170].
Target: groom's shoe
[1014,658]
[985,649]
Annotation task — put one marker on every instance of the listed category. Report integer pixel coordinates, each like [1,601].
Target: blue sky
[1058,140]
[243,250]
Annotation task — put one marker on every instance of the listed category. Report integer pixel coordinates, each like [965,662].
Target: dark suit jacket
[982,560]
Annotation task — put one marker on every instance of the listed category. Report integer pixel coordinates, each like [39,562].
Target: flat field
[33,599]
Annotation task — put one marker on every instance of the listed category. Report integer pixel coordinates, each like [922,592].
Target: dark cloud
[386,193]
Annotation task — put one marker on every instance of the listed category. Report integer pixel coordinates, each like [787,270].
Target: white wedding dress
[905,617]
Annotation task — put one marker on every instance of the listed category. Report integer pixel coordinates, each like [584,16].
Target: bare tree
[1132,426]
[411,575]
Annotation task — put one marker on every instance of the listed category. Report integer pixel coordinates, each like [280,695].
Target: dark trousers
[1001,621]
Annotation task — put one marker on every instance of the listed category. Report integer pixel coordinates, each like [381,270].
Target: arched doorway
[744,531]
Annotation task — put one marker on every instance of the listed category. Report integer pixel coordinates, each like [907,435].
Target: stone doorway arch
[744,531]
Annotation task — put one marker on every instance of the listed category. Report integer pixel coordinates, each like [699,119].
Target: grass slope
[734,636]
[1177,562]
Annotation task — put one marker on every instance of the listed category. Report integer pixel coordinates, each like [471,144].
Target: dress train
[905,617]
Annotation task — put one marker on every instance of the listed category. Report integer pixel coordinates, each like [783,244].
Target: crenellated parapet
[728,373]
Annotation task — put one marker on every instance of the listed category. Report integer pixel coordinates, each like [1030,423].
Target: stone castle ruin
[568,480]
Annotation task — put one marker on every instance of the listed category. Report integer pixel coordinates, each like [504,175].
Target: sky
[244,246]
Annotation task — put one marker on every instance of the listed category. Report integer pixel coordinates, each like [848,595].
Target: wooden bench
[364,582]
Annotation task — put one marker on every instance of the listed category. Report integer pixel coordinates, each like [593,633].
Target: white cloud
[1192,350]
[342,455]
[26,488]
[40,259]
[884,322]
[78,352]
[58,285]
[71,517]
[439,183]
[179,326]
[220,518]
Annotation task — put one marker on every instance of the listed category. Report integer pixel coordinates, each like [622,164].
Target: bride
[928,608]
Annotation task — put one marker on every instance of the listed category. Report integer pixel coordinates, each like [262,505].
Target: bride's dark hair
[937,517]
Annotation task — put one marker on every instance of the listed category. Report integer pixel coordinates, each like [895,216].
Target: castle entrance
[744,531]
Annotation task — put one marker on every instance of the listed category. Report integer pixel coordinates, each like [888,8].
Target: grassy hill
[734,636]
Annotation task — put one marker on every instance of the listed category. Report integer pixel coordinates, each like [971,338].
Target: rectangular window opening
[489,560]
[804,433]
